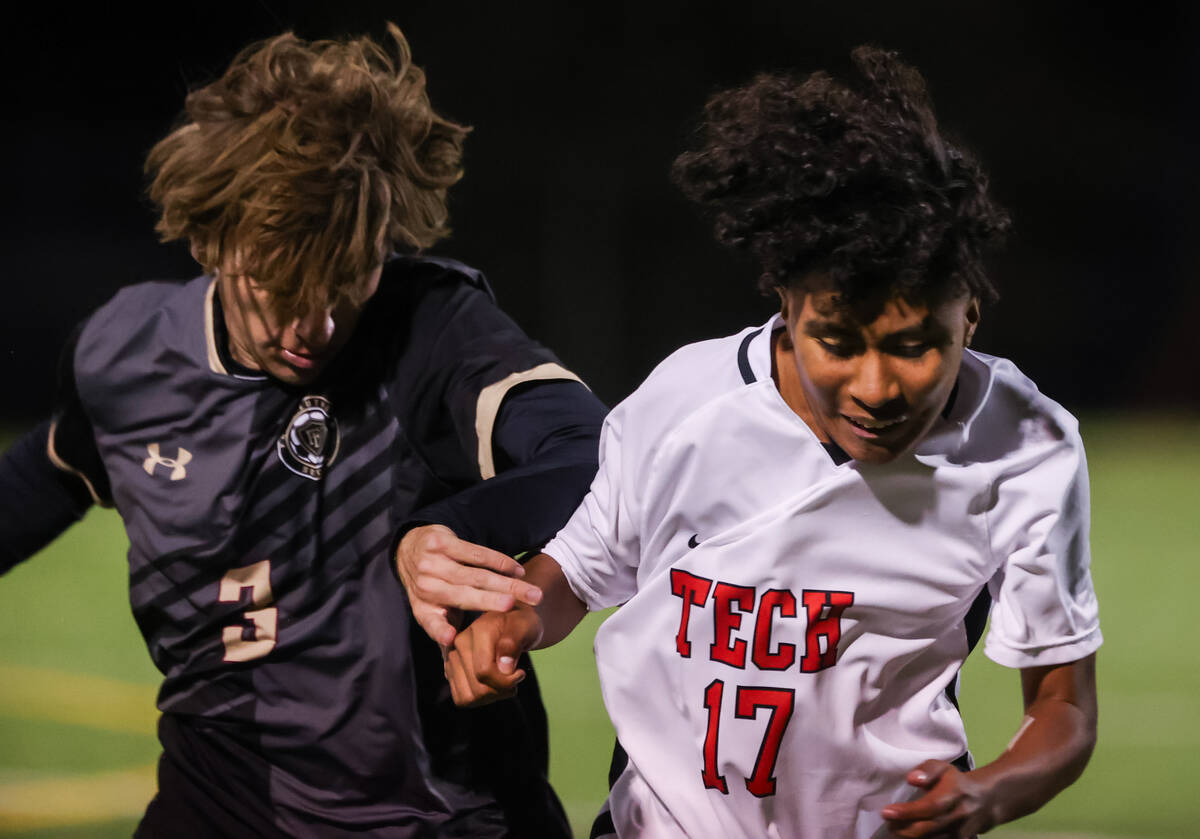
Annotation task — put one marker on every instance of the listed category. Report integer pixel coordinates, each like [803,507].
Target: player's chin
[877,451]
[874,455]
[297,376]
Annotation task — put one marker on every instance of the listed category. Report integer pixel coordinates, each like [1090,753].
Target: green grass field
[77,688]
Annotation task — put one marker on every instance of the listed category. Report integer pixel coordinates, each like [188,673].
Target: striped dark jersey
[261,521]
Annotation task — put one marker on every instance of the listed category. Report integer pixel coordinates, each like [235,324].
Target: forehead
[826,305]
[823,306]
[302,293]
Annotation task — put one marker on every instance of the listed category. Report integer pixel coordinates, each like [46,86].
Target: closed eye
[837,347]
[911,349]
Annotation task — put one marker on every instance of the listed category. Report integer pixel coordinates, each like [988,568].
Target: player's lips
[870,428]
[301,360]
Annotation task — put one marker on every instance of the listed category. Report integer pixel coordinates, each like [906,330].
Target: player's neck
[787,381]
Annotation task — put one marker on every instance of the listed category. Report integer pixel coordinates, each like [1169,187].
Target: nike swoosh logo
[693,542]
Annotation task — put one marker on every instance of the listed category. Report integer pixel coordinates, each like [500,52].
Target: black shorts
[212,785]
[195,775]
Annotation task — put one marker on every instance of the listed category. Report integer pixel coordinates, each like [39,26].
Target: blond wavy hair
[305,164]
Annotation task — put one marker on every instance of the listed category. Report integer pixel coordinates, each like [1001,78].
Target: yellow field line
[43,694]
[75,799]
[46,694]
[35,693]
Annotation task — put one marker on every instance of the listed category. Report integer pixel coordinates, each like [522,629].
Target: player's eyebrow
[818,326]
[930,329]
[920,330]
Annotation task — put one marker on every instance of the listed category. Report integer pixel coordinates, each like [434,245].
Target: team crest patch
[309,445]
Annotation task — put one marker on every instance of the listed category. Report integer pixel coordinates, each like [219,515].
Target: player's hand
[443,573]
[481,667]
[955,805]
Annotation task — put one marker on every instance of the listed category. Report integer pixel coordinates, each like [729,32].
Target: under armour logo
[175,464]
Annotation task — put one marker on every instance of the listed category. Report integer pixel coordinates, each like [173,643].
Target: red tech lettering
[763,658]
[730,602]
[725,621]
[693,591]
[827,626]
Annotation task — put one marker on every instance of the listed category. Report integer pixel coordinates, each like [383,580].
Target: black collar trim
[743,357]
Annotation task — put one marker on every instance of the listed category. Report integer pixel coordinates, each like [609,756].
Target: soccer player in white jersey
[808,522]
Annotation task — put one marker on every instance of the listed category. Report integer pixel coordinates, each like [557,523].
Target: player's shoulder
[705,368]
[136,313]
[411,280]
[134,302]
[692,379]
[1005,416]
[435,296]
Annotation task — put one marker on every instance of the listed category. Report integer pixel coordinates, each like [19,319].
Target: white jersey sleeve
[598,548]
[1045,608]
[602,547]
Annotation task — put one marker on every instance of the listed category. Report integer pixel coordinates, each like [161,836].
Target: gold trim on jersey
[493,395]
[62,465]
[210,335]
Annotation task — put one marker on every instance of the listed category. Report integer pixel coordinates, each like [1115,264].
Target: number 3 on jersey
[747,703]
[245,642]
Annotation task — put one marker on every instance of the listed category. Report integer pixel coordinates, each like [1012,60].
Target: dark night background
[1084,116]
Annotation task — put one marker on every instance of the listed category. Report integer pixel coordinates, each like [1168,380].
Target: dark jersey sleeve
[71,445]
[512,434]
[545,442]
[38,501]
[50,476]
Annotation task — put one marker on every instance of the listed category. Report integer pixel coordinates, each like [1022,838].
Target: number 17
[761,782]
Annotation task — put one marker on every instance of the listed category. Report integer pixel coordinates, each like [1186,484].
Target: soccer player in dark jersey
[320,411]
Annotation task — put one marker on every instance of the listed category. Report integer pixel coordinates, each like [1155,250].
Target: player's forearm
[1048,754]
[545,440]
[560,610]
[514,511]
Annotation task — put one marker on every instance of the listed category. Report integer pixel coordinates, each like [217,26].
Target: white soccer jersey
[792,628]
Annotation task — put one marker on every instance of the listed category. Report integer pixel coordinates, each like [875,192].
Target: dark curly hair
[855,183]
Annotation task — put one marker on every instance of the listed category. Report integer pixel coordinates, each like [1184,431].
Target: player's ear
[783,302]
[971,317]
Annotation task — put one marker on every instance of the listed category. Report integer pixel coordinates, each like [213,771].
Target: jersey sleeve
[545,442]
[479,356]
[37,500]
[70,442]
[598,548]
[51,475]
[1045,609]
[510,433]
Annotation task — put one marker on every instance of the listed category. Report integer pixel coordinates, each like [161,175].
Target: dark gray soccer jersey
[261,519]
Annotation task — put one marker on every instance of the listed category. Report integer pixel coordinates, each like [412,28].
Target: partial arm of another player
[38,501]
[1049,751]
[481,666]
[50,476]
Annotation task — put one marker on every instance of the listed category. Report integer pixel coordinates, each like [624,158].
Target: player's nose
[314,328]
[873,386]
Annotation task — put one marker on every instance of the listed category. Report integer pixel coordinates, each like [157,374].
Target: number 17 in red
[748,701]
